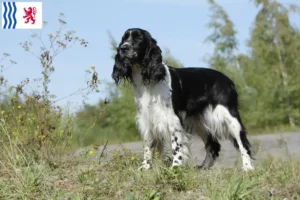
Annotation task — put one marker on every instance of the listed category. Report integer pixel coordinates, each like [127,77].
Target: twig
[103,150]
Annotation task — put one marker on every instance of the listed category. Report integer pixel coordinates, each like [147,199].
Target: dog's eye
[139,38]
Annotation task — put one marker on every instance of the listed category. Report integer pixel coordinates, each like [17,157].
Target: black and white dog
[174,103]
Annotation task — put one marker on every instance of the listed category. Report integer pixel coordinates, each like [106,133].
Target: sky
[179,25]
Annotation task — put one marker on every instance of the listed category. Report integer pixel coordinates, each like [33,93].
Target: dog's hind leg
[223,122]
[212,148]
[239,138]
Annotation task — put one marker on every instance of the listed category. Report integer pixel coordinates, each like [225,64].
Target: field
[110,172]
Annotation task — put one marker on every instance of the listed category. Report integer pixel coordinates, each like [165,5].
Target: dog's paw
[201,167]
[145,165]
[198,166]
[248,168]
[175,165]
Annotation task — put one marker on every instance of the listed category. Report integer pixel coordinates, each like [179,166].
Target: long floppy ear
[122,69]
[153,69]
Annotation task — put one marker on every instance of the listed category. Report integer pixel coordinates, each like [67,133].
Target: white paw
[145,165]
[248,167]
[176,164]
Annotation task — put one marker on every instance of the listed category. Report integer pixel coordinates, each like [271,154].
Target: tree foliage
[267,78]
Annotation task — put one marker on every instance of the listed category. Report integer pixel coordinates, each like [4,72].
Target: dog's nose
[125,47]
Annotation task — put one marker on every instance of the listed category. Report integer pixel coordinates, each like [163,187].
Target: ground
[277,145]
[85,174]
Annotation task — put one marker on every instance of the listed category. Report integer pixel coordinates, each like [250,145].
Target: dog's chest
[154,106]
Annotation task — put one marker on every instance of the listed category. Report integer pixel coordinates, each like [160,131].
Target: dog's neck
[137,79]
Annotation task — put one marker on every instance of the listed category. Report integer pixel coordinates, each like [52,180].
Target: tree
[275,46]
[225,57]
[266,78]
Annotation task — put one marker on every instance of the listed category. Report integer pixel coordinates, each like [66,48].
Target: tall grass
[35,134]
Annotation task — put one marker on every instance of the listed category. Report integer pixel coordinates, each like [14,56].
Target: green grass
[36,162]
[273,130]
[27,175]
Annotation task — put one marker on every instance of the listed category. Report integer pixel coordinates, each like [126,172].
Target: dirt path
[284,145]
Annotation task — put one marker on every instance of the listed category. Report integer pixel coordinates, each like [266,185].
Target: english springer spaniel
[175,103]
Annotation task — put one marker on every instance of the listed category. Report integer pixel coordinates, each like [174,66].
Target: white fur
[215,120]
[154,107]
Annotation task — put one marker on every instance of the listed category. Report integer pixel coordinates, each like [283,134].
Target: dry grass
[26,175]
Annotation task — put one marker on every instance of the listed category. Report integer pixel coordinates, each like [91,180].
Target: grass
[27,175]
[36,162]
[273,130]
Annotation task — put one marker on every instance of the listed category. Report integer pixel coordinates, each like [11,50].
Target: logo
[22,15]
[30,14]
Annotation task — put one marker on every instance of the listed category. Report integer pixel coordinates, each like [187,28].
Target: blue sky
[179,25]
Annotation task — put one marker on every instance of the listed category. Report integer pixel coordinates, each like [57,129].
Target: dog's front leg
[148,154]
[180,145]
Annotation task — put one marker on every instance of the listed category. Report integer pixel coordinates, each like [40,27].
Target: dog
[172,104]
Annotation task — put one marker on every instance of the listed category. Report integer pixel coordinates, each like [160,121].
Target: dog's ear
[153,69]
[121,69]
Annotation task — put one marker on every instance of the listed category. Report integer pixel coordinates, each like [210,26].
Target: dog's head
[138,48]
